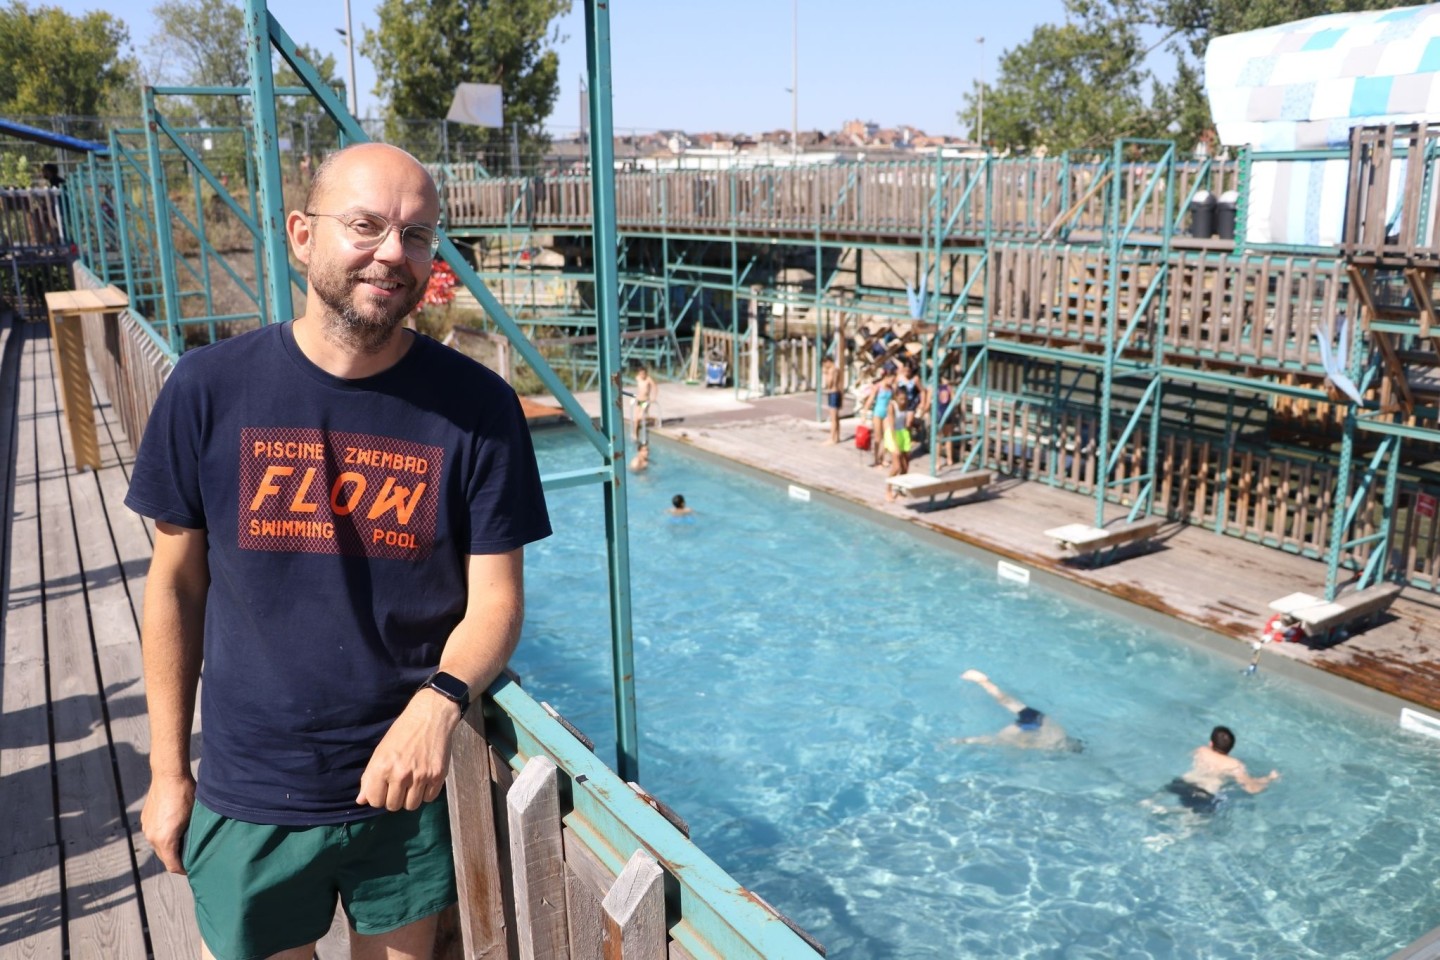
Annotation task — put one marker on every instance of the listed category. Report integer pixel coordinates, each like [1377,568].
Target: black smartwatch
[451,688]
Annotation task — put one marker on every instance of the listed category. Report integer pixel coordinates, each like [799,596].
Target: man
[1212,767]
[341,509]
[1032,730]
[647,390]
[832,383]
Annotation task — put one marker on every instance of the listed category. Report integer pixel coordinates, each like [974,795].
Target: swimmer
[647,391]
[641,460]
[1212,766]
[1032,730]
[678,508]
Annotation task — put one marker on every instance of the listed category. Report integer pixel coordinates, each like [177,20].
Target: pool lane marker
[1417,722]
[1011,571]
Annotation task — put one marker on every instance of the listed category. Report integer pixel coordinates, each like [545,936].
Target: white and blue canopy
[1303,85]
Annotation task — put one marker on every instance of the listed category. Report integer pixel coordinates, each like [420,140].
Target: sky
[708,65]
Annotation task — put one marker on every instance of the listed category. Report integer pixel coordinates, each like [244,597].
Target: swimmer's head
[1222,740]
[678,501]
[1029,719]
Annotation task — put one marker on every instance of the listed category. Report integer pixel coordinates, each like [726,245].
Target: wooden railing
[1390,210]
[1265,309]
[31,219]
[909,198]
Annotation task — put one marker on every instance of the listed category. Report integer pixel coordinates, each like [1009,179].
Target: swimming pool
[797,680]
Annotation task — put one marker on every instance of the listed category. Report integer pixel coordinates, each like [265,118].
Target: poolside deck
[1221,583]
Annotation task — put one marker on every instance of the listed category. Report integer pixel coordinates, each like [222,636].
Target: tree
[1086,82]
[202,43]
[56,64]
[1076,85]
[422,51]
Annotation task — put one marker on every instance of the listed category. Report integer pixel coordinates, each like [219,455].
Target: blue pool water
[797,680]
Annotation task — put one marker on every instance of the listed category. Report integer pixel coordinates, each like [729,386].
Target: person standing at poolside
[341,508]
[832,380]
[1032,730]
[897,438]
[647,391]
[1211,768]
[880,408]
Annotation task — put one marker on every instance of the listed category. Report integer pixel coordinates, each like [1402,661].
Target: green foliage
[202,43]
[53,63]
[1073,85]
[16,170]
[422,51]
[1085,83]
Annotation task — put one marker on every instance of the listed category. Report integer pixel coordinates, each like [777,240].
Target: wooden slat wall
[1275,498]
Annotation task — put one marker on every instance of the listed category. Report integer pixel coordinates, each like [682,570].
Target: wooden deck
[1221,583]
[77,879]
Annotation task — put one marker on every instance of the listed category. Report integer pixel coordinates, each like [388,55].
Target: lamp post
[350,50]
[794,78]
[980,124]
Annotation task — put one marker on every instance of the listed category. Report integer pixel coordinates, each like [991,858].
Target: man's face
[363,295]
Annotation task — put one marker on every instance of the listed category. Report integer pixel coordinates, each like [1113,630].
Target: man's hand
[165,817]
[408,767]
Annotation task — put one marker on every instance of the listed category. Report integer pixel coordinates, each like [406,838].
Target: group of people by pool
[1199,789]
[894,413]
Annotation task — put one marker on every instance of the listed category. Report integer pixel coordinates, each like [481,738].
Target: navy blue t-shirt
[338,515]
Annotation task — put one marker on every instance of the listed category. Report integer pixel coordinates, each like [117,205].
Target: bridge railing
[1024,198]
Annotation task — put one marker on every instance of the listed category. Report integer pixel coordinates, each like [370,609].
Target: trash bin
[1202,214]
[1225,215]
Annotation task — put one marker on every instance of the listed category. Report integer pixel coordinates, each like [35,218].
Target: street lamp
[794,78]
[980,125]
[349,34]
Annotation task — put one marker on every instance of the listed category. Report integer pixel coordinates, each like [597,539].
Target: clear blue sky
[709,65]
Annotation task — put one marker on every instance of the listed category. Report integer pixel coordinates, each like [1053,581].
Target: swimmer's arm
[972,740]
[1254,784]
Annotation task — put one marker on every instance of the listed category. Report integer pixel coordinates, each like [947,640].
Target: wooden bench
[1087,541]
[920,485]
[67,310]
[1321,620]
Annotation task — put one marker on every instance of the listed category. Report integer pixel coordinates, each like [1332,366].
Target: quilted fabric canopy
[1305,84]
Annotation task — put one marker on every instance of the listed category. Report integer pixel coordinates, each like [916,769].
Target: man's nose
[391,249]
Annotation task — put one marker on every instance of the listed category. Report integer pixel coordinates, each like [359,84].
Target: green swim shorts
[263,889]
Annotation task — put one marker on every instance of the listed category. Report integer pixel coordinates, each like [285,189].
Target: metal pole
[794,78]
[980,136]
[350,51]
[612,415]
[271,219]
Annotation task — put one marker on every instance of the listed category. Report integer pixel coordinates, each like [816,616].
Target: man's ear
[298,230]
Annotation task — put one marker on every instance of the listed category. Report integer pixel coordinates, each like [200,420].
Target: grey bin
[1225,215]
[1202,214]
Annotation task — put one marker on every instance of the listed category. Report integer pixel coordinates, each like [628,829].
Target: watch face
[451,687]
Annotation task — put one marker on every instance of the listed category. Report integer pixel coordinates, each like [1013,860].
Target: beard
[365,326]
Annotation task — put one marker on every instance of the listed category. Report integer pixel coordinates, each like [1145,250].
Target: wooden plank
[587,880]
[93,830]
[537,859]
[472,836]
[635,912]
[30,913]
[67,334]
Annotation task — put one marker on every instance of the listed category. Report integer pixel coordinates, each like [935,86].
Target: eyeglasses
[366,231]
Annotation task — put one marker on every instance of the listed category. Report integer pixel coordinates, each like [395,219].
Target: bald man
[341,508]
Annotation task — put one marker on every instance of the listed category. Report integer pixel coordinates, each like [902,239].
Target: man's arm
[1248,783]
[172,645]
[409,766]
